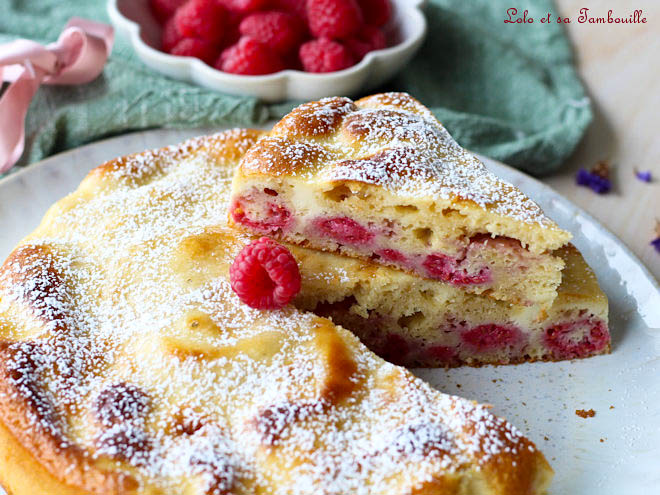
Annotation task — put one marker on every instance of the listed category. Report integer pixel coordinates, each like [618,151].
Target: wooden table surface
[620,65]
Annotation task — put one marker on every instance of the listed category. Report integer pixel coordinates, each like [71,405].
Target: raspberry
[192,47]
[205,19]
[376,12]
[444,268]
[244,6]
[392,255]
[324,55]
[249,57]
[280,31]
[344,230]
[275,217]
[369,38]
[561,339]
[443,355]
[265,275]
[164,9]
[232,33]
[374,37]
[170,36]
[333,18]
[489,337]
[291,6]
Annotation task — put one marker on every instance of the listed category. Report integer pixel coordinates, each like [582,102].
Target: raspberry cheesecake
[418,322]
[381,179]
[128,366]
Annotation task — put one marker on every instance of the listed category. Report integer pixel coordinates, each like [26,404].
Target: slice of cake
[381,179]
[419,322]
[128,365]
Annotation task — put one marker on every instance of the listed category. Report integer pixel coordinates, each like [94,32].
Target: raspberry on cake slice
[381,179]
[418,322]
[265,275]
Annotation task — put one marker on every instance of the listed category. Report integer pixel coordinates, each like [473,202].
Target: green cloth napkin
[509,91]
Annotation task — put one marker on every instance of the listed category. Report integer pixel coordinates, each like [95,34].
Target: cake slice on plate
[128,365]
[418,322]
[381,179]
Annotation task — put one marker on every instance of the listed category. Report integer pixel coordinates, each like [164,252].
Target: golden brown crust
[515,471]
[27,410]
[339,378]
[399,100]
[284,157]
[22,474]
[224,148]
[316,119]
[29,418]
[35,266]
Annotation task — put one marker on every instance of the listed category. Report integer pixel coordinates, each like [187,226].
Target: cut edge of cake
[421,323]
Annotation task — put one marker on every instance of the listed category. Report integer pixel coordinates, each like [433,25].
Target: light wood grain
[620,65]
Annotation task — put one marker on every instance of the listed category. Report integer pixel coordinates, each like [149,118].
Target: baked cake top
[127,364]
[392,141]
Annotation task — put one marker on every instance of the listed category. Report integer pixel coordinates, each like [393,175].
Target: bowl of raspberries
[274,49]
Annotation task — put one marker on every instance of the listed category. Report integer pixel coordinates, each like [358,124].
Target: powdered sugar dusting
[123,331]
[392,141]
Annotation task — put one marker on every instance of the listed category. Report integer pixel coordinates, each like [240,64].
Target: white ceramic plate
[616,452]
[405,34]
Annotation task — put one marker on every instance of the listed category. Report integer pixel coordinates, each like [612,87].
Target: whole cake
[381,179]
[128,366]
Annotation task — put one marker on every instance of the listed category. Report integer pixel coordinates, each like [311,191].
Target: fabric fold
[77,57]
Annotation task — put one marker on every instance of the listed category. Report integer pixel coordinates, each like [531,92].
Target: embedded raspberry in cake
[262,216]
[441,355]
[392,256]
[447,269]
[491,337]
[344,230]
[577,339]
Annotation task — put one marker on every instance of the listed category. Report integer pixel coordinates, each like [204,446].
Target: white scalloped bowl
[405,33]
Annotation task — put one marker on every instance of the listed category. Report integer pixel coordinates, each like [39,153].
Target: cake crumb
[546,438]
[585,414]
[611,407]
